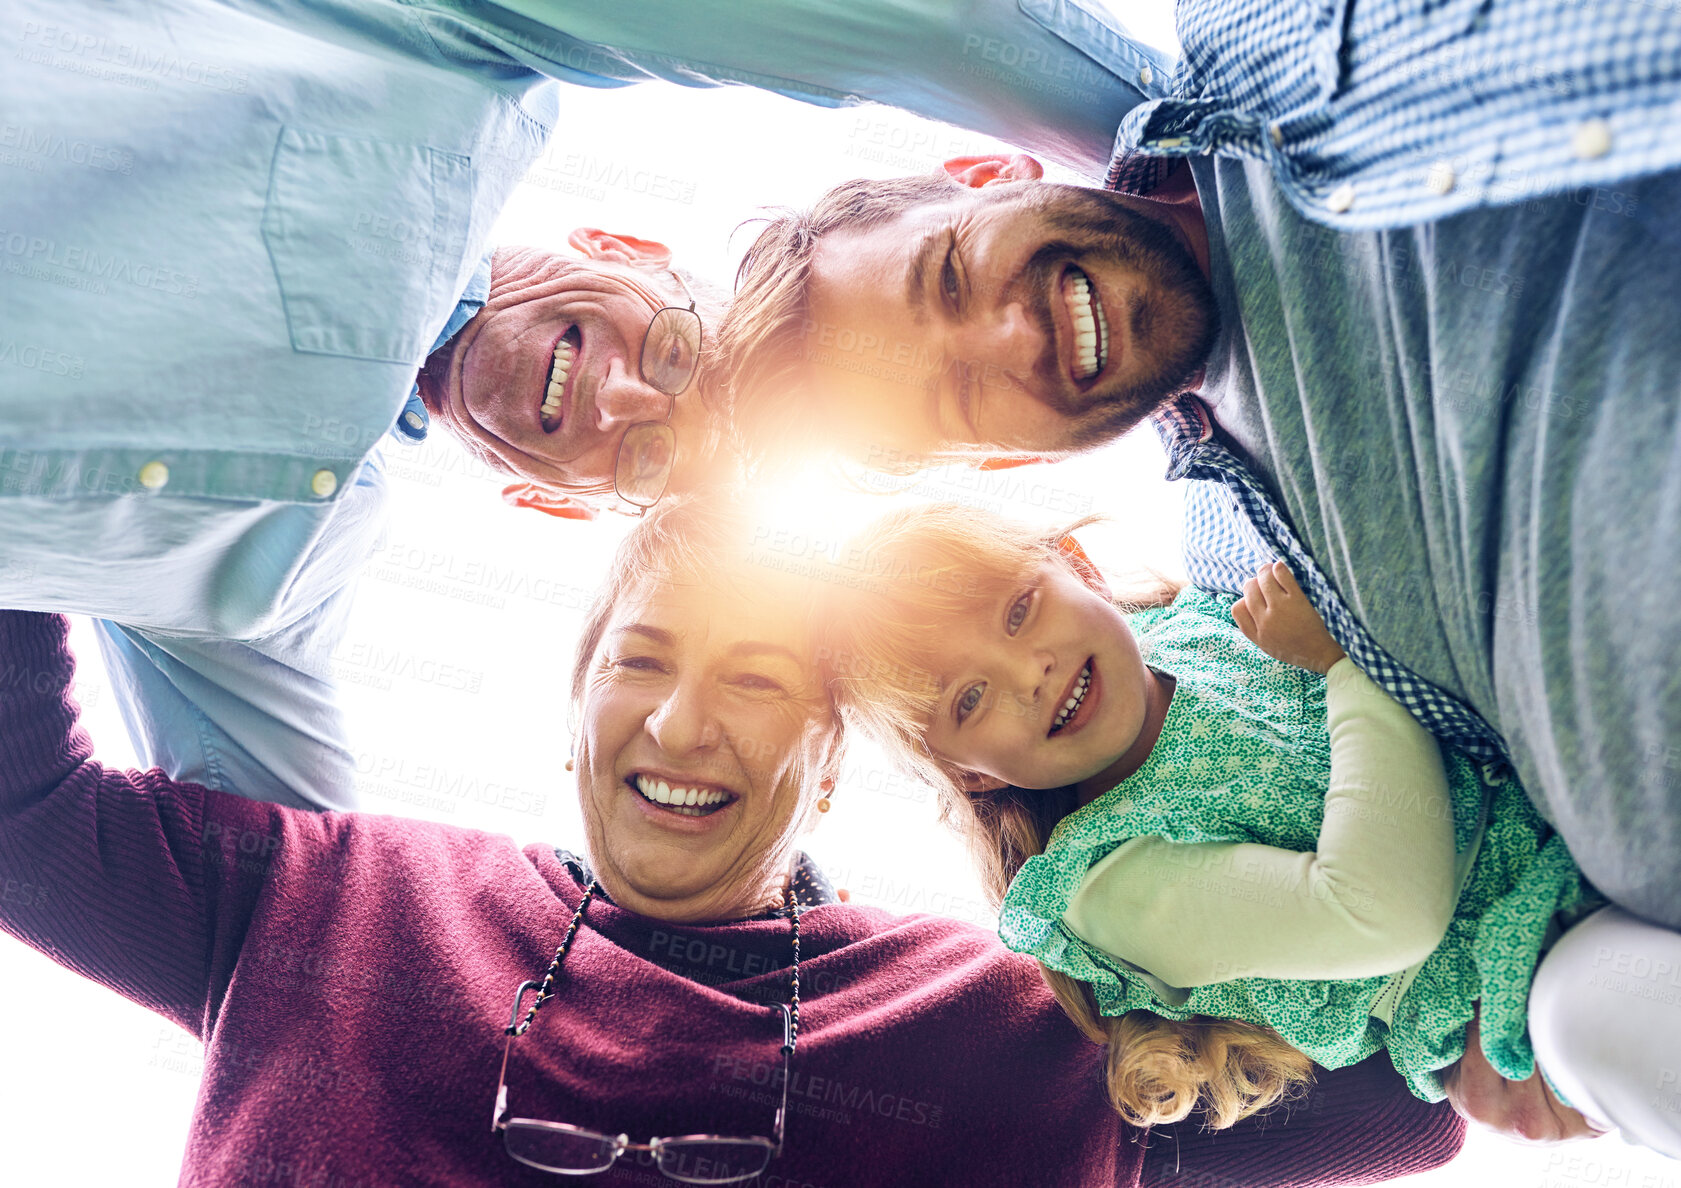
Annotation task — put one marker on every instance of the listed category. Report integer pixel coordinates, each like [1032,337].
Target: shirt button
[153,475]
[1276,131]
[1591,139]
[1146,76]
[324,483]
[414,420]
[1441,178]
[1340,199]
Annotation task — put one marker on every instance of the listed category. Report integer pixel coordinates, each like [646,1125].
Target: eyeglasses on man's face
[569,1150]
[670,357]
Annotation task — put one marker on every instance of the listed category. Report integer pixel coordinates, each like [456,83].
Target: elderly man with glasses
[575,376]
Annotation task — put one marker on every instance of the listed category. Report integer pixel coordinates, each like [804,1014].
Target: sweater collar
[811,886]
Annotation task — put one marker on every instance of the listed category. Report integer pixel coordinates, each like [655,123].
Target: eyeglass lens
[644,465]
[671,350]
[712,1161]
[558,1148]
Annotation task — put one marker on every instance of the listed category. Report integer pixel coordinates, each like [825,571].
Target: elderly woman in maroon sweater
[391,1002]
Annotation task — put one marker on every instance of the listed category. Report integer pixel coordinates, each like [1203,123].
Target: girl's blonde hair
[914,571]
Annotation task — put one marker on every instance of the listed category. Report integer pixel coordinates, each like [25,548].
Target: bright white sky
[456,667]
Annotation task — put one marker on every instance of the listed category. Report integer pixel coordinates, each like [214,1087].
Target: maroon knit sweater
[350,975]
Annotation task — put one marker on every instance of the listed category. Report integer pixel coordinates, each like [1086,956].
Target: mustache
[1034,286]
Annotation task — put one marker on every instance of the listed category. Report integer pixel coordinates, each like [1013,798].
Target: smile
[688,801]
[553,409]
[1076,697]
[1091,325]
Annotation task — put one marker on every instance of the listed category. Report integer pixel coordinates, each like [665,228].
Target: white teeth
[690,802]
[1091,331]
[1081,684]
[564,356]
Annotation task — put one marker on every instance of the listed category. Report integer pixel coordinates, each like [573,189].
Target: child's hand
[1278,619]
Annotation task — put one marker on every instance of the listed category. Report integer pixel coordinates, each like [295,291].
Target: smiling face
[704,736]
[1042,687]
[1013,317]
[545,379]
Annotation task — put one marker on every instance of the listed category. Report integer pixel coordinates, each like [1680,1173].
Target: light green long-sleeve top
[1375,897]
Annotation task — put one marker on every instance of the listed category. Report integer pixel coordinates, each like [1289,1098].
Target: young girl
[1238,862]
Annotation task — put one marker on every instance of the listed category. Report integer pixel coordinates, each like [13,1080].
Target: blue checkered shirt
[1380,114]
[1232,528]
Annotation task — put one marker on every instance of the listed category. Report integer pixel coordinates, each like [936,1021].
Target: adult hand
[1527,1111]
[1278,619]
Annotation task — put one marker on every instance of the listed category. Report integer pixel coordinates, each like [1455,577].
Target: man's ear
[597,244]
[976,172]
[546,501]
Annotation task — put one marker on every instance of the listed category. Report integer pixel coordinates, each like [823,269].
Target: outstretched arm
[1357,1125]
[133,880]
[993,66]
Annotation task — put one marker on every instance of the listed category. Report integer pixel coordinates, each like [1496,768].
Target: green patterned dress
[1245,756]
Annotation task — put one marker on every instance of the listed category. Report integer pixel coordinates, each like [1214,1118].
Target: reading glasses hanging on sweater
[569,1150]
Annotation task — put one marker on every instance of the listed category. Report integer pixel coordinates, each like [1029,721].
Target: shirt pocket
[366,237]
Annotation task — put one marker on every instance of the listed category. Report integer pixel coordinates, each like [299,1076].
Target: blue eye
[968,701]
[1017,614]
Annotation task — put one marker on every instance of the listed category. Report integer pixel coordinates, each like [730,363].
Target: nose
[683,722]
[623,399]
[1025,676]
[1005,339]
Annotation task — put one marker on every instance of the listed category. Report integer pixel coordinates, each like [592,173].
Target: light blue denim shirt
[261,716]
[227,240]
[229,232]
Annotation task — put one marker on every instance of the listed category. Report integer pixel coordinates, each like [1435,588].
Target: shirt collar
[1183,425]
[414,420]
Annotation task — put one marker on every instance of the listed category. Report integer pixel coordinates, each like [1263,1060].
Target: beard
[1172,323]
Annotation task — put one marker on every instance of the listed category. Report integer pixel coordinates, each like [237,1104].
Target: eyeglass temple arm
[685,289]
[511,1031]
[519,997]
[787,1069]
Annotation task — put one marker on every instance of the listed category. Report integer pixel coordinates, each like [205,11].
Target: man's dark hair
[759,350]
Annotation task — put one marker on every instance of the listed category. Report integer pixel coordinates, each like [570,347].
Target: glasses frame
[788,1012]
[619,459]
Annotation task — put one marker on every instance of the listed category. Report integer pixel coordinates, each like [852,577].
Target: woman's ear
[596,244]
[829,761]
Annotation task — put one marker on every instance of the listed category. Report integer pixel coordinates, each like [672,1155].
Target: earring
[569,765]
[823,805]
[569,753]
